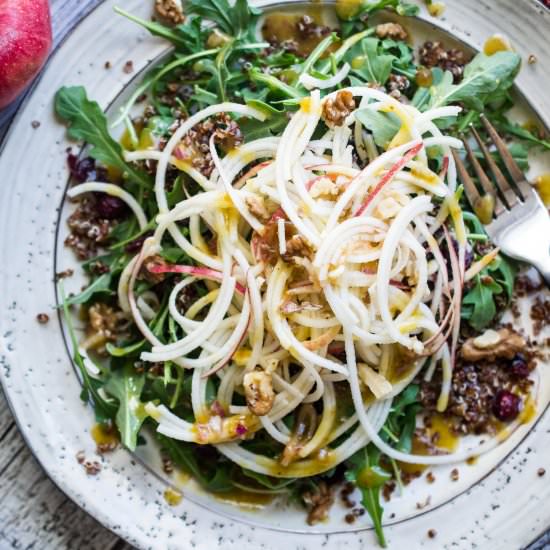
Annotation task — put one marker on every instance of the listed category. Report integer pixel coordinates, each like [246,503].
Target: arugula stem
[153,28]
[318,52]
[390,434]
[343,49]
[177,391]
[221,59]
[477,237]
[275,83]
[467,120]
[397,474]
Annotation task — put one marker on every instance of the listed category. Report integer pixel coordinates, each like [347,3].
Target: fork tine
[511,165]
[488,187]
[508,195]
[472,194]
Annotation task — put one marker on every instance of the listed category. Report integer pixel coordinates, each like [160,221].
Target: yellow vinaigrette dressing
[440,433]
[281,26]
[245,499]
[172,496]
[496,43]
[542,185]
[105,437]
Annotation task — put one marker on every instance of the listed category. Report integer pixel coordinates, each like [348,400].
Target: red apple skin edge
[25,41]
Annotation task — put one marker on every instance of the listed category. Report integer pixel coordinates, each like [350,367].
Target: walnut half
[391,30]
[335,111]
[492,345]
[170,10]
[258,390]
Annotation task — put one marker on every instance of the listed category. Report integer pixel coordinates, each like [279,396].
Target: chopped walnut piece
[259,393]
[319,502]
[170,10]
[42,318]
[424,504]
[323,186]
[92,468]
[540,313]
[297,246]
[103,326]
[257,207]
[167,465]
[335,111]
[350,518]
[507,345]
[194,148]
[391,30]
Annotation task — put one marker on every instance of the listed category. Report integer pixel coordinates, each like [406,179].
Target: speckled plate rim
[13,391]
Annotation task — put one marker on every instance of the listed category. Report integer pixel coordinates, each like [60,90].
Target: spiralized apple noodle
[358,290]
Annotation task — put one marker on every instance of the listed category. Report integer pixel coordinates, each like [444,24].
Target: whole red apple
[25,40]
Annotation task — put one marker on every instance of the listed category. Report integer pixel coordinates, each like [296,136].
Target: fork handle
[543,267]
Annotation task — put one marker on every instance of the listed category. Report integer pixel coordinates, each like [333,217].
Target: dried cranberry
[135,246]
[519,366]
[82,170]
[109,207]
[506,405]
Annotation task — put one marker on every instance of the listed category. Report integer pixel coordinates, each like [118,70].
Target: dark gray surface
[33,512]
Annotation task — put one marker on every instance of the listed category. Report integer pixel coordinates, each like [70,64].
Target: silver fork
[519,222]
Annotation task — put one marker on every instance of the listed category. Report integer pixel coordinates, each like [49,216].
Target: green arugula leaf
[88,123]
[275,84]
[521,132]
[402,418]
[272,483]
[192,33]
[157,29]
[116,351]
[104,410]
[365,471]
[504,271]
[126,385]
[482,76]
[254,129]
[368,63]
[383,126]
[213,477]
[101,285]
[237,21]
[479,305]
[407,9]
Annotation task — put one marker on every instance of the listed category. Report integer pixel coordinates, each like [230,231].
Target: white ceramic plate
[489,506]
